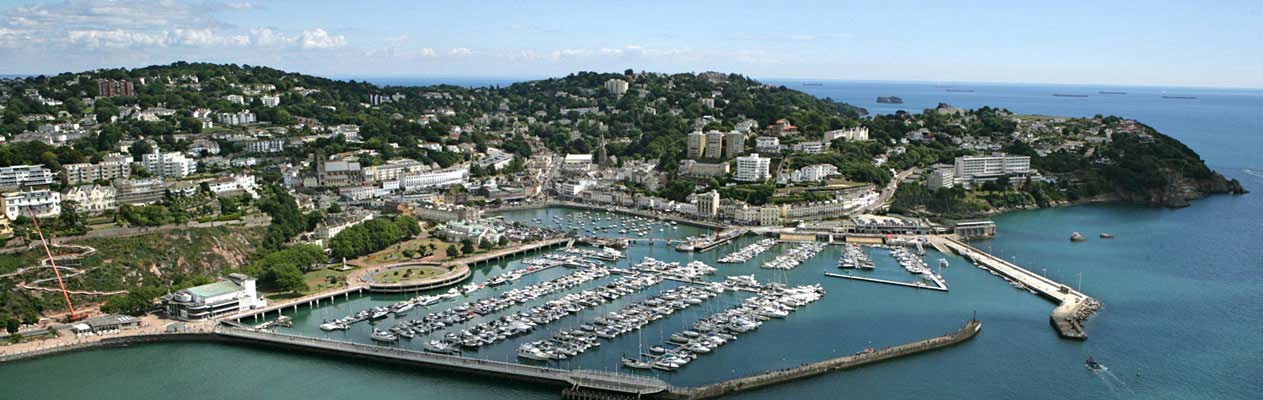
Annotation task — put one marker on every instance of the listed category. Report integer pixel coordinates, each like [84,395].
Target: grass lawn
[408,274]
[394,253]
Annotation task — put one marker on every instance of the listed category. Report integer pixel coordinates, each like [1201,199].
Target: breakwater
[966,332]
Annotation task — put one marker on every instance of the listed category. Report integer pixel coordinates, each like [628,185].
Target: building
[849,134]
[105,170]
[695,169]
[616,86]
[140,191]
[434,179]
[752,168]
[762,215]
[92,199]
[456,231]
[696,145]
[270,101]
[338,173]
[577,163]
[781,127]
[767,144]
[974,229]
[972,168]
[811,147]
[235,99]
[572,189]
[43,203]
[106,323]
[734,144]
[237,118]
[111,88]
[707,204]
[232,295]
[810,173]
[266,146]
[233,185]
[23,176]
[169,164]
[941,176]
[714,146]
[393,170]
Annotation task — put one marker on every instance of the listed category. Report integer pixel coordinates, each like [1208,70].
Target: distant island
[1110,92]
[890,100]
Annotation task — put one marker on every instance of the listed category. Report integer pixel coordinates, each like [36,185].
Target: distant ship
[961,90]
[812,84]
[1109,92]
[1069,95]
[889,100]
[1180,97]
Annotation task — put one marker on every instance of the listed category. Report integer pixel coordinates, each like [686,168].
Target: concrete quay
[1073,307]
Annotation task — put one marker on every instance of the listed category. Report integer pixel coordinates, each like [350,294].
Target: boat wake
[1256,174]
[1112,381]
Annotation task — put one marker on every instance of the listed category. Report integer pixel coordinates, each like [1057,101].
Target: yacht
[383,336]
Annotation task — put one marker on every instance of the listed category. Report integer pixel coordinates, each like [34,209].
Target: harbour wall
[966,332]
[624,210]
[108,342]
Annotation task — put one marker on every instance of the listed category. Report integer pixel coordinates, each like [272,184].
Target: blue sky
[1158,42]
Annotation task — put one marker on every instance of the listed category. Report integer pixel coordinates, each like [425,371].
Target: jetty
[1073,307]
[939,285]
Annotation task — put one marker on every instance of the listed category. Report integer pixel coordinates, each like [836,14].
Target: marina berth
[748,252]
[795,256]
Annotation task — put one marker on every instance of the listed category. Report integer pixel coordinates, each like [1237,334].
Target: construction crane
[71,316]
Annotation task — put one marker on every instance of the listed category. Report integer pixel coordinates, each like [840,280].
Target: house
[92,199]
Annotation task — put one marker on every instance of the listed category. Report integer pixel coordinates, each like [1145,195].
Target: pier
[497,255]
[939,287]
[1073,307]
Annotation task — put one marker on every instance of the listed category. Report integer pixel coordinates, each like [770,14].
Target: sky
[1155,42]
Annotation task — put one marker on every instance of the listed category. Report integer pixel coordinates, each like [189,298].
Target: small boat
[1093,365]
[384,336]
[1106,236]
[637,364]
[1077,237]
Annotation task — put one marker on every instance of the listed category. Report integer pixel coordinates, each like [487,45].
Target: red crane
[72,316]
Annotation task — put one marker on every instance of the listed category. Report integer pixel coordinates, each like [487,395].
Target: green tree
[466,246]
[452,251]
[12,325]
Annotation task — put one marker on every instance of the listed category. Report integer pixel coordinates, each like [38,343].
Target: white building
[969,168]
[266,146]
[235,99]
[941,176]
[169,164]
[237,118]
[767,144]
[810,173]
[435,179]
[752,168]
[572,189]
[707,204]
[577,163]
[20,176]
[235,294]
[849,134]
[811,147]
[233,184]
[616,86]
[456,231]
[92,199]
[270,101]
[43,203]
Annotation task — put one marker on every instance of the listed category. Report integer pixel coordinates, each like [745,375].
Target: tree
[466,246]
[504,241]
[12,325]
[139,149]
[452,251]
[288,277]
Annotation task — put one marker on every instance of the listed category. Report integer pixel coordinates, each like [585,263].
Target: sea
[1181,288]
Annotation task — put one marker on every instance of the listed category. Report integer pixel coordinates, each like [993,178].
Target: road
[887,193]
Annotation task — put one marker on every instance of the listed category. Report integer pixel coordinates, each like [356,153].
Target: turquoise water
[1181,288]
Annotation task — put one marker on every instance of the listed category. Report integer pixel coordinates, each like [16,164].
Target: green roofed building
[237,293]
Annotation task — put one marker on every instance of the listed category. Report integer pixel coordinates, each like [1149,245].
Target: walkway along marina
[917,284]
[1073,307]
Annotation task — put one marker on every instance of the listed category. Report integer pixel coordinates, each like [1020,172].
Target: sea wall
[966,332]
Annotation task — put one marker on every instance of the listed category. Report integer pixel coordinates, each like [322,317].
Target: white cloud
[319,39]
[460,52]
[427,52]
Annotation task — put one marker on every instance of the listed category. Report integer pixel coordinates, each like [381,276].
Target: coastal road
[887,193]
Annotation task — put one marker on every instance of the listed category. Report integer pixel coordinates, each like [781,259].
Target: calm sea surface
[1182,319]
